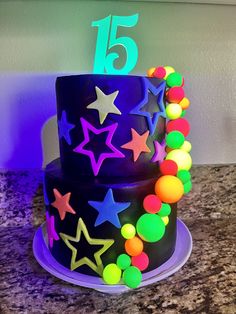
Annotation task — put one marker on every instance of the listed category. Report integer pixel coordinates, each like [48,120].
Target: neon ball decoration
[180,125]
[151,204]
[175,94]
[185,103]
[132,277]
[111,274]
[165,210]
[128,231]
[160,72]
[169,167]
[150,228]
[187,187]
[174,79]
[175,139]
[184,176]
[150,72]
[140,261]
[169,189]
[173,111]
[186,146]
[134,246]
[182,158]
[183,113]
[165,219]
[169,70]
[123,261]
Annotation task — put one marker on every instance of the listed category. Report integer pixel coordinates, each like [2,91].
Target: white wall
[39,39]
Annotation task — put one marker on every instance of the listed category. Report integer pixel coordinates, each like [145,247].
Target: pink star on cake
[115,153]
[62,203]
[137,144]
[160,152]
[52,235]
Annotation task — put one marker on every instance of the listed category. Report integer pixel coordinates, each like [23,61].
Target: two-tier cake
[111,197]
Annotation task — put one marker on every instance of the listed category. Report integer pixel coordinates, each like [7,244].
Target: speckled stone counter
[206,284]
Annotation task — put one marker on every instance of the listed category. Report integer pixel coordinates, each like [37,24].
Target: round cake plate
[180,256]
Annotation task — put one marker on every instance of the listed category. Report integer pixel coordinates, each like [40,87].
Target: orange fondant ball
[169,189]
[150,72]
[134,246]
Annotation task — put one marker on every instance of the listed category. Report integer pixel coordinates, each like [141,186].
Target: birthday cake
[111,198]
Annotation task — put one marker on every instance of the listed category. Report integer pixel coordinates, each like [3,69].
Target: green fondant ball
[123,261]
[165,210]
[183,113]
[111,274]
[175,139]
[174,79]
[150,227]
[184,175]
[187,187]
[132,277]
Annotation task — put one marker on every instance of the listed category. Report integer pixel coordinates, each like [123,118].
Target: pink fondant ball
[175,94]
[141,261]
[152,204]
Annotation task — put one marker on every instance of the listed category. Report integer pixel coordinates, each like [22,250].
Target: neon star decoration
[65,127]
[62,203]
[137,144]
[81,227]
[108,209]
[115,153]
[158,91]
[160,152]
[52,235]
[104,104]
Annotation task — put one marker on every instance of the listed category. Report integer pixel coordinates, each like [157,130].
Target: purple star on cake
[115,153]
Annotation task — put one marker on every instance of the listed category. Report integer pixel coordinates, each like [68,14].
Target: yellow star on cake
[104,104]
[107,243]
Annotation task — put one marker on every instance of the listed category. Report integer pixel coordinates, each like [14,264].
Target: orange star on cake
[137,144]
[62,203]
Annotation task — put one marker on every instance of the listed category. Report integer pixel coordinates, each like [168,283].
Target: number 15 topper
[106,39]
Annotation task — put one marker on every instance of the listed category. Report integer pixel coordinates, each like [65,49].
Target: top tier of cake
[111,125]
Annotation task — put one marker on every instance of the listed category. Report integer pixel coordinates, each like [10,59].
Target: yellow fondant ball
[173,111]
[150,72]
[111,274]
[165,220]
[169,189]
[169,70]
[186,146]
[184,103]
[128,231]
[182,158]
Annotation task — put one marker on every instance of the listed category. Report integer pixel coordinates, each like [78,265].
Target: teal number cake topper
[107,39]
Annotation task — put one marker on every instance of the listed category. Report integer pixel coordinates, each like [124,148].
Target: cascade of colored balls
[176,178]
[169,188]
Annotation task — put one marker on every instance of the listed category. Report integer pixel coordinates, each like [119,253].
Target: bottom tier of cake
[86,217]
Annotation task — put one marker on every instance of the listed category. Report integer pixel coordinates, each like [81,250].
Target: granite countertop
[205,284]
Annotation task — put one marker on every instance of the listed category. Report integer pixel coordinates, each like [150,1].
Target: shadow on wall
[28,108]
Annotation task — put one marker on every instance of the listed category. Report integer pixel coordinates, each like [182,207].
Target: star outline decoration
[107,205]
[62,208]
[50,225]
[96,164]
[107,243]
[65,127]
[158,91]
[102,106]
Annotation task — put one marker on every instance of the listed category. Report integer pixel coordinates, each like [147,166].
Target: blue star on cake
[65,127]
[159,93]
[108,209]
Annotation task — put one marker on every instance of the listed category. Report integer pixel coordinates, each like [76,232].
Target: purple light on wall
[27,101]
